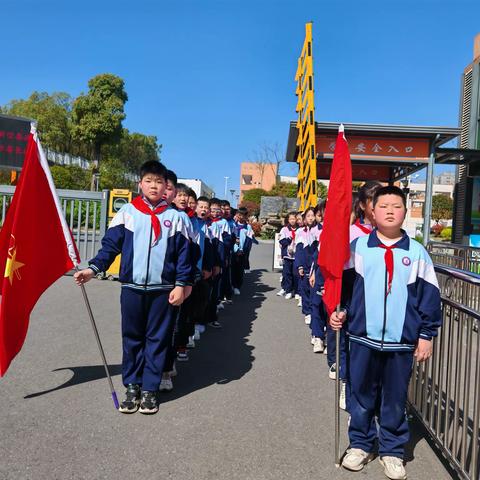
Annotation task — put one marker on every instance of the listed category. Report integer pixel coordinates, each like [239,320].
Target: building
[445,178]
[257,175]
[198,186]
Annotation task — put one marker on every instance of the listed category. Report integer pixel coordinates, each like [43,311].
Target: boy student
[240,249]
[389,323]
[287,245]
[228,241]
[217,229]
[155,268]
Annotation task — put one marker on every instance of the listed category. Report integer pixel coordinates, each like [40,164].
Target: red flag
[335,247]
[36,248]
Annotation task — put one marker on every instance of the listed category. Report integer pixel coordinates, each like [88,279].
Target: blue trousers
[147,329]
[304,290]
[287,275]
[317,311]
[378,380]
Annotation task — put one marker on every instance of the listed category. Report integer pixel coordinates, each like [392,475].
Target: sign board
[118,198]
[13,141]
[277,254]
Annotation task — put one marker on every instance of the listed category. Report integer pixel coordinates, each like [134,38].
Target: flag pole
[337,396]
[99,343]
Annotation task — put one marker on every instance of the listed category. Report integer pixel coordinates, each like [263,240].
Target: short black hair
[203,199]
[225,203]
[390,190]
[181,187]
[171,177]
[215,201]
[153,167]
[242,211]
[365,193]
[288,214]
[191,193]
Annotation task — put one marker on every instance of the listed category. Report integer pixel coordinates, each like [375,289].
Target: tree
[322,190]
[98,115]
[284,189]
[53,115]
[254,195]
[442,207]
[70,177]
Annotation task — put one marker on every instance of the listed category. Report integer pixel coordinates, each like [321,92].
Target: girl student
[287,245]
[303,257]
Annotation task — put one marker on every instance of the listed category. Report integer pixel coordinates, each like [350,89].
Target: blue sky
[215,79]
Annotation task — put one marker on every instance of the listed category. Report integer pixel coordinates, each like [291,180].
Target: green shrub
[446,233]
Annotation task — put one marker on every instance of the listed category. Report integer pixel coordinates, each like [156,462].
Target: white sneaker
[173,372]
[281,293]
[166,384]
[312,340]
[191,342]
[325,349]
[297,297]
[196,335]
[200,328]
[342,402]
[332,372]
[246,271]
[220,306]
[236,291]
[308,319]
[288,296]
[318,345]
[299,304]
[394,468]
[356,459]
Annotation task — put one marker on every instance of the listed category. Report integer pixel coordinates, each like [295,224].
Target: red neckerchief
[362,227]
[292,231]
[140,204]
[189,212]
[388,263]
[217,219]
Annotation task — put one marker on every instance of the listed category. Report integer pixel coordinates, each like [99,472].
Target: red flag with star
[36,248]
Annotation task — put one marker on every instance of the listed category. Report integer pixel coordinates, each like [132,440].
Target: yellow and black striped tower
[307,163]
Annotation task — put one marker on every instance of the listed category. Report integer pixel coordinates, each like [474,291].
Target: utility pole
[226,186]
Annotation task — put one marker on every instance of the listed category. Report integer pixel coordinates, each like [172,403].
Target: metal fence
[85,212]
[455,255]
[444,391]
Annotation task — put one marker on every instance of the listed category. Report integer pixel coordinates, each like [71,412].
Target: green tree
[254,195]
[442,207]
[97,115]
[70,177]
[53,115]
[322,190]
[114,175]
[284,189]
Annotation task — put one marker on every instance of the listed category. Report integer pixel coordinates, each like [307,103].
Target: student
[242,245]
[217,229]
[226,290]
[149,235]
[303,258]
[391,299]
[287,245]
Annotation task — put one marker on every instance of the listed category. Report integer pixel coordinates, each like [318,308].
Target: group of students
[182,257]
[390,312]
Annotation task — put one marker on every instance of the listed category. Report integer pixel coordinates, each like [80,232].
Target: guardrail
[444,392]
[455,255]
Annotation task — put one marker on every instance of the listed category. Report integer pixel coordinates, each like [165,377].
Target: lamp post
[232,193]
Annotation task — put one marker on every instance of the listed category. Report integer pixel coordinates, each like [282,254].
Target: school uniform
[239,252]
[317,310]
[287,245]
[228,235]
[154,244]
[392,299]
[217,228]
[303,255]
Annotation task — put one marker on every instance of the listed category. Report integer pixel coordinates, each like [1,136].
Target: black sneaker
[182,355]
[149,403]
[132,399]
[215,324]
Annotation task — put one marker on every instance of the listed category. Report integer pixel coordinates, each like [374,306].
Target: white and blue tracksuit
[304,244]
[148,273]
[383,332]
[228,241]
[240,251]
[287,245]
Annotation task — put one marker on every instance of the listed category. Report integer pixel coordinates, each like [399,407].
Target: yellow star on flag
[12,265]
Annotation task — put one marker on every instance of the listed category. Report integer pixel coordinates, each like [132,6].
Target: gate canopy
[385,153]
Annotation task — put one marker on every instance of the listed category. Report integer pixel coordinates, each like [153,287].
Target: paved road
[253,403]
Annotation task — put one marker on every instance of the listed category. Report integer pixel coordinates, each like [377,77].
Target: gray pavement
[253,402]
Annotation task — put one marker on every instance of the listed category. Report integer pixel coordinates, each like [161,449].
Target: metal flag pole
[99,343]
[337,395]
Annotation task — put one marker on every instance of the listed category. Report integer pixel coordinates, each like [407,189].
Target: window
[246,179]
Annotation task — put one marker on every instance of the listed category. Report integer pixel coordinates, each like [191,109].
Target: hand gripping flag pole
[335,249]
[73,254]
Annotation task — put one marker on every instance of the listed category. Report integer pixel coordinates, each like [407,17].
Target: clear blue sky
[215,79]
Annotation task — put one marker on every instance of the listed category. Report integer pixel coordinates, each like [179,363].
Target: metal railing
[444,391]
[455,255]
[85,212]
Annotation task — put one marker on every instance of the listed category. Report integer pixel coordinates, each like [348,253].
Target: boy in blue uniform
[391,299]
[242,246]
[154,271]
[226,290]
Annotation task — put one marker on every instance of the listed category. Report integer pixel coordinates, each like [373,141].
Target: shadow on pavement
[220,357]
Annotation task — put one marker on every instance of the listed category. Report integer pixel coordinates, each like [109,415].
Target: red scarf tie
[362,227]
[292,231]
[189,212]
[388,264]
[216,219]
[140,204]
